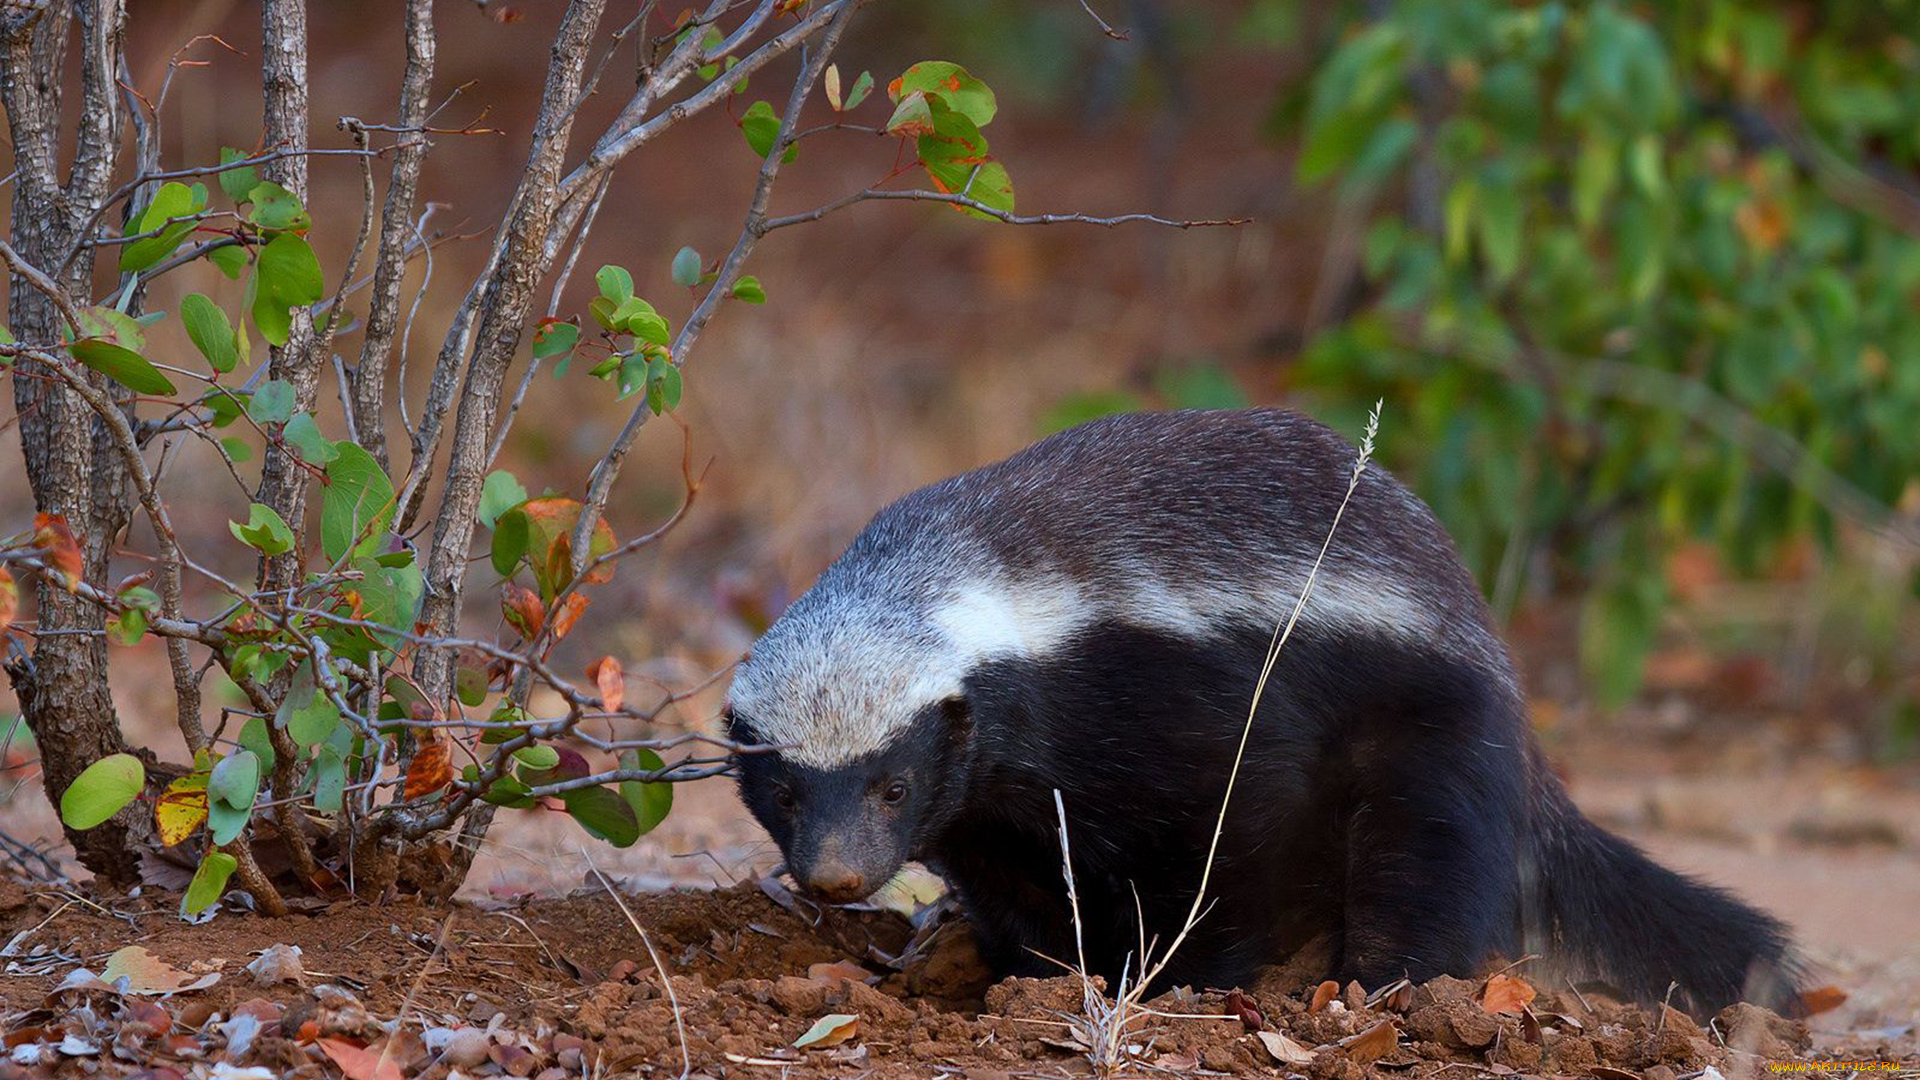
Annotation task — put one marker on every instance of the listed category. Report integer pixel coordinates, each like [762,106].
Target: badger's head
[868,708]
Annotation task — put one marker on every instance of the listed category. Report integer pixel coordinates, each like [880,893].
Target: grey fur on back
[1192,522]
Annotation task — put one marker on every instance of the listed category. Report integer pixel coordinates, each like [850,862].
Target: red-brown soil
[568,984]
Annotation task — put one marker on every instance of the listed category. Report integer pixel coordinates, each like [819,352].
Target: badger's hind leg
[1434,800]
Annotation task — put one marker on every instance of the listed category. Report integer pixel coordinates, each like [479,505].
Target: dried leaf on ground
[1370,1044]
[1284,1050]
[1506,994]
[830,1030]
[361,1062]
[148,974]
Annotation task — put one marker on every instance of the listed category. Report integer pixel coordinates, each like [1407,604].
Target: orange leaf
[1324,993]
[569,613]
[432,769]
[59,549]
[9,599]
[838,971]
[1506,994]
[523,609]
[550,523]
[606,674]
[1822,999]
[1370,1044]
[362,1062]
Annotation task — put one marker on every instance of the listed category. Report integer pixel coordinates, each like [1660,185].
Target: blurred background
[1638,283]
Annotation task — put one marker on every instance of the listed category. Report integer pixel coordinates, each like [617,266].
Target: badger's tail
[1599,907]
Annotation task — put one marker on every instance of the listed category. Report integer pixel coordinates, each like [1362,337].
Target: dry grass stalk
[666,984]
[1109,1022]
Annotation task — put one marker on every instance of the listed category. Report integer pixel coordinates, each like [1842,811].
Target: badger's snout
[836,882]
[843,867]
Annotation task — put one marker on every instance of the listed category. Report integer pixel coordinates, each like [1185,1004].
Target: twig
[1117,35]
[1007,217]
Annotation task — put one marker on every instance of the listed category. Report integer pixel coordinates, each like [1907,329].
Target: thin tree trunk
[70,465]
[283,72]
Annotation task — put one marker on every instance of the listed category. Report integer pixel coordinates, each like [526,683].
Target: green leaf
[391,595]
[761,127]
[470,685]
[358,502]
[210,331]
[112,346]
[254,738]
[554,337]
[173,200]
[511,537]
[749,289]
[510,792]
[313,447]
[141,597]
[615,283]
[500,493]
[224,822]
[308,715]
[237,448]
[101,790]
[537,756]
[639,318]
[265,531]
[209,881]
[128,627]
[275,208]
[651,800]
[604,814]
[237,183]
[236,779]
[633,375]
[329,772]
[663,385]
[862,86]
[230,259]
[955,156]
[287,276]
[1500,222]
[272,403]
[950,82]
[686,267]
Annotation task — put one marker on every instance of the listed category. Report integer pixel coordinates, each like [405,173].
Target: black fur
[1392,804]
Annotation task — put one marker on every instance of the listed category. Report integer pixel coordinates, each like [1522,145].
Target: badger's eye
[783,798]
[895,791]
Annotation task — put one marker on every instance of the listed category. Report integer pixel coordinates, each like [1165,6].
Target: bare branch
[600,483]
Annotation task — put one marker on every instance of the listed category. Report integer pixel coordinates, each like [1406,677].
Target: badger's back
[1185,521]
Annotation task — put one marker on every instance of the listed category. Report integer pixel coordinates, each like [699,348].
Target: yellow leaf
[181,808]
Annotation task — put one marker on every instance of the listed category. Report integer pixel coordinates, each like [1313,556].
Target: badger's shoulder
[1194,523]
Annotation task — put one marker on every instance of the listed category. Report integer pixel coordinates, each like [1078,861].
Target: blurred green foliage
[1638,275]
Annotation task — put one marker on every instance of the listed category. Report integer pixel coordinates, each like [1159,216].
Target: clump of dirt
[756,980]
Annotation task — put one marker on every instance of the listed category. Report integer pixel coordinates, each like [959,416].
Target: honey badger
[1090,615]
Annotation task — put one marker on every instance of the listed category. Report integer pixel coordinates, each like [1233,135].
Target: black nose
[834,880]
